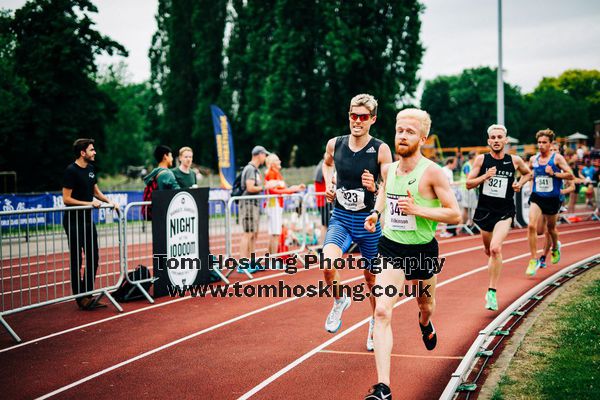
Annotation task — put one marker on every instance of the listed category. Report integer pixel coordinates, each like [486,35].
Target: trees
[464,105]
[54,49]
[568,103]
[126,139]
[187,64]
[293,87]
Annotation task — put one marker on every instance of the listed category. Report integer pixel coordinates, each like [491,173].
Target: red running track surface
[268,347]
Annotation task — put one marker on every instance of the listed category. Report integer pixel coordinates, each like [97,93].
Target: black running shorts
[487,219]
[416,260]
[548,205]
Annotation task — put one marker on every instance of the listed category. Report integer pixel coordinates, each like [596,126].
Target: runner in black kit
[358,159]
[495,172]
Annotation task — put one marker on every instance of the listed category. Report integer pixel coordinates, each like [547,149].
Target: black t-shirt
[81,181]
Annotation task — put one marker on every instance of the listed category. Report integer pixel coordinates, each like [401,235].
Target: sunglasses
[361,117]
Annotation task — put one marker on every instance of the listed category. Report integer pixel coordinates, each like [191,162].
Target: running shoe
[556,254]
[429,334]
[370,346]
[334,319]
[543,262]
[446,235]
[491,303]
[533,266]
[381,391]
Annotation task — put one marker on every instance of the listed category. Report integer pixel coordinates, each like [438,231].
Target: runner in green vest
[415,196]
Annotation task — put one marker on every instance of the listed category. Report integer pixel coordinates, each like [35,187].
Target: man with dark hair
[163,175]
[80,188]
[549,169]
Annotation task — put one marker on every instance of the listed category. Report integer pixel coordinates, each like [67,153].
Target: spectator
[467,198]
[163,175]
[323,206]
[185,176]
[588,173]
[249,208]
[448,170]
[80,188]
[275,206]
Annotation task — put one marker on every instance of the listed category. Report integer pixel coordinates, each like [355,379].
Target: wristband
[375,211]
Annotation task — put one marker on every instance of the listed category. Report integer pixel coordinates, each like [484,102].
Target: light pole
[500,86]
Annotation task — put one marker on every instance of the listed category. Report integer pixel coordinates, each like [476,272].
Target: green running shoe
[556,254]
[491,303]
[533,266]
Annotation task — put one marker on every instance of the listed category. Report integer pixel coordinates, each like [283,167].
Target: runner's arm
[328,164]
[523,169]
[566,170]
[371,220]
[100,196]
[473,180]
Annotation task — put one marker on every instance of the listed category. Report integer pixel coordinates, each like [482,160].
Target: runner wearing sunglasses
[358,159]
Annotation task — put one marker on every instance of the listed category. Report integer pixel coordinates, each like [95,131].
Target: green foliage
[126,140]
[54,49]
[463,106]
[14,99]
[567,104]
[187,64]
[294,66]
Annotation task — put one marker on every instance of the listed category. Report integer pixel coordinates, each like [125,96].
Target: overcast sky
[541,37]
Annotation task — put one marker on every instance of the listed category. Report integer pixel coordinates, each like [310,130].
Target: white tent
[576,136]
[512,140]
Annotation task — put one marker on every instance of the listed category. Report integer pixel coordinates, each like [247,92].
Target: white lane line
[317,349]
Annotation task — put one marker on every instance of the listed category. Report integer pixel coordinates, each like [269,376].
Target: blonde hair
[270,158]
[497,126]
[420,115]
[184,149]
[365,100]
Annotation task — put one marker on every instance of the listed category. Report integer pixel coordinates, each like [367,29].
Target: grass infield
[560,356]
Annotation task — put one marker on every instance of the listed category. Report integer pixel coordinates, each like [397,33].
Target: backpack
[238,189]
[150,187]
[128,292]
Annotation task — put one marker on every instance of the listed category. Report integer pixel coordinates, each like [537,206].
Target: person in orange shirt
[274,207]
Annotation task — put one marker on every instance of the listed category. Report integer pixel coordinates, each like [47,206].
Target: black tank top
[496,193]
[350,166]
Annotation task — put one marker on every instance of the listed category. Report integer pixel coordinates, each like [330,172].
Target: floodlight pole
[500,86]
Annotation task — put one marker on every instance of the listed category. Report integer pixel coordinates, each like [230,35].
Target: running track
[263,348]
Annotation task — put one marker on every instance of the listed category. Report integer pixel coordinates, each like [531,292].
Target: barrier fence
[263,224]
[59,255]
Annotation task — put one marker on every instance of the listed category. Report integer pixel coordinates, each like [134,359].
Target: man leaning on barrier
[80,188]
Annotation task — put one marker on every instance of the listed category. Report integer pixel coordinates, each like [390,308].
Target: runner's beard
[407,151]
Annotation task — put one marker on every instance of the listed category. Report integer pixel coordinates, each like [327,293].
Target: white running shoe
[334,319]
[370,346]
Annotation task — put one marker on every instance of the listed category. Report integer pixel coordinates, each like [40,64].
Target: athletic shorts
[548,205]
[275,214]
[249,214]
[348,226]
[487,219]
[418,261]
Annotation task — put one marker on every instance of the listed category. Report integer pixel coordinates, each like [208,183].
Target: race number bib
[496,186]
[396,220]
[351,199]
[544,184]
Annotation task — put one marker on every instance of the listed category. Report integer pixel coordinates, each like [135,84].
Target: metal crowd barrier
[467,200]
[137,243]
[41,255]
[260,215]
